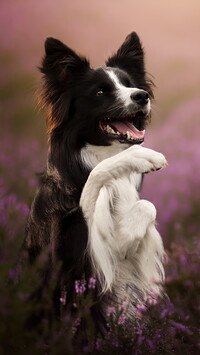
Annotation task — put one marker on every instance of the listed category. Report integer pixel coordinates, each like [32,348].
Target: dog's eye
[99,93]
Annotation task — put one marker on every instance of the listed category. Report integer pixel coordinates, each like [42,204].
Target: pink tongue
[123,127]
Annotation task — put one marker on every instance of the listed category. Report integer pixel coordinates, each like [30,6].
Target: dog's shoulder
[52,196]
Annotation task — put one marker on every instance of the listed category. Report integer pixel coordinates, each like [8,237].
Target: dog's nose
[141,97]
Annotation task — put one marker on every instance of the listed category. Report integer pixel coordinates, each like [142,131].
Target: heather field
[170,34]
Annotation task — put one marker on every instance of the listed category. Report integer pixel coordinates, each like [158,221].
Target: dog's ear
[130,57]
[61,62]
[60,66]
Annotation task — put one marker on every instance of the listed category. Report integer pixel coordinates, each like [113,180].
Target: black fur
[73,114]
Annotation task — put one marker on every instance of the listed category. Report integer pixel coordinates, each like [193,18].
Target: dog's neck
[93,155]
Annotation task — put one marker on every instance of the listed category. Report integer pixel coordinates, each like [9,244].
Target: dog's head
[96,106]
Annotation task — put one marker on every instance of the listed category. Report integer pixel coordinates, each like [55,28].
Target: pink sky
[170,32]
[169,29]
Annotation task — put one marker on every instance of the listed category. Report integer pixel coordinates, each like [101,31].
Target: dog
[87,207]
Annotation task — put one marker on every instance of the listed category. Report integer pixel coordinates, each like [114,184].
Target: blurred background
[170,32]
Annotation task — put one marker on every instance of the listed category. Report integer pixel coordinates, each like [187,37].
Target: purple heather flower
[124,305]
[76,325]
[63,300]
[80,286]
[110,310]
[179,326]
[92,283]
[141,307]
[164,313]
[121,319]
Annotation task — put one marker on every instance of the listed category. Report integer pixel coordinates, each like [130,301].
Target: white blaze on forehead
[123,93]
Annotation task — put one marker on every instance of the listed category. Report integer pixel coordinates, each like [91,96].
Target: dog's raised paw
[157,160]
[148,159]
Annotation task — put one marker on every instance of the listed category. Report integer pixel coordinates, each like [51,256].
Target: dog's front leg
[133,225]
[135,159]
[97,202]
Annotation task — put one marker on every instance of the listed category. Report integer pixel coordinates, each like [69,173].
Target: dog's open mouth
[130,128]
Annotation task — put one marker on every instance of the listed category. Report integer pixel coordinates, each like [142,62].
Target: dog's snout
[141,97]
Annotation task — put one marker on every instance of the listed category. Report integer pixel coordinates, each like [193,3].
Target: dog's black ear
[130,57]
[61,67]
[130,53]
[130,47]
[61,62]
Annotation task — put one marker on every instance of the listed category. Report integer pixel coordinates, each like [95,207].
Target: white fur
[93,154]
[124,93]
[124,245]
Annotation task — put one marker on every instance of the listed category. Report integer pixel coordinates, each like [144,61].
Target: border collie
[87,207]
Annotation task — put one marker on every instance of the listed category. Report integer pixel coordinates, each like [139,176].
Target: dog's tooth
[128,134]
[109,129]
